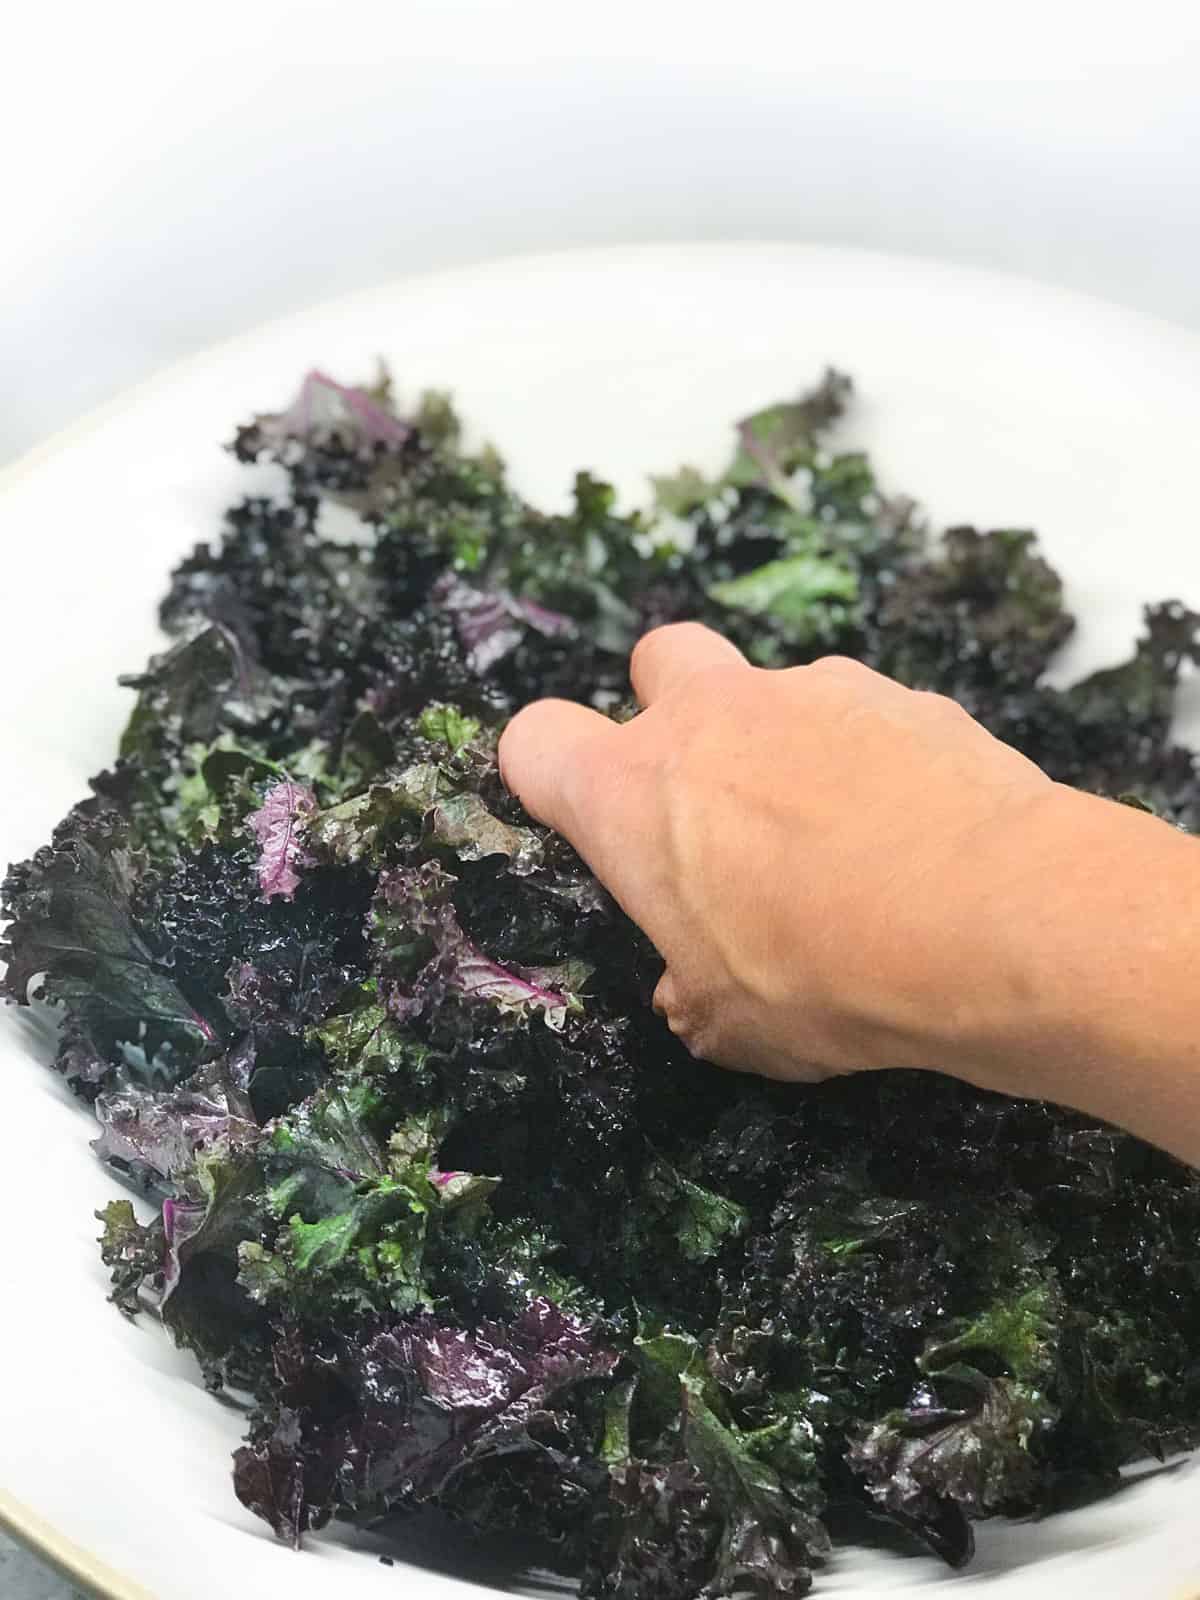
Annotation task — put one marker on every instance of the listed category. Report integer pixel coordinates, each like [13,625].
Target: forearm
[1093,984]
[841,874]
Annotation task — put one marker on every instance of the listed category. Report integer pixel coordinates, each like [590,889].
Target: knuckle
[942,704]
[689,724]
[839,667]
[691,1024]
[721,684]
[663,999]
[666,637]
[686,1032]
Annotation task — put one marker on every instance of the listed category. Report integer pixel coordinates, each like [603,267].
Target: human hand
[821,856]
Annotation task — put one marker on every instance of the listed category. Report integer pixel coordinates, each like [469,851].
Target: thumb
[546,755]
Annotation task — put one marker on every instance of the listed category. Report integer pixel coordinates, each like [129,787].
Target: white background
[174,174]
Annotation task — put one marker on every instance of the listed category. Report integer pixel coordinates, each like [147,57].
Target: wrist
[1092,948]
[972,976]
[1048,910]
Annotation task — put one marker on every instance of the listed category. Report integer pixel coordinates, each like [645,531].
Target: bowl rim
[70,1560]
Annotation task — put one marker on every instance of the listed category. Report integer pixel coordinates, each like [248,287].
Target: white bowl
[992,399]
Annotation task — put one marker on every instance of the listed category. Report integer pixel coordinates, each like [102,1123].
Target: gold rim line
[75,1563]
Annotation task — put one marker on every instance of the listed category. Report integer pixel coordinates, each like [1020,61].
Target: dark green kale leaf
[133,1253]
[701,1221]
[358,1218]
[74,930]
[987,615]
[221,1203]
[276,965]
[733,1509]
[192,692]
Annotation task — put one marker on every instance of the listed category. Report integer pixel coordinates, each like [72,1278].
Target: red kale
[436,1184]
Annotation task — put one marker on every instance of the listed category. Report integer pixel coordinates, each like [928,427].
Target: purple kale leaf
[933,1467]
[421,1412]
[775,441]
[492,622]
[279,826]
[656,1536]
[425,956]
[156,1137]
[342,440]
[324,408]
[283,1482]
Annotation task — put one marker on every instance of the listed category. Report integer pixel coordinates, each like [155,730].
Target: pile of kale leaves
[436,1186]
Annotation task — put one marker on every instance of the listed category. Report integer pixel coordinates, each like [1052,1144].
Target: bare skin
[842,874]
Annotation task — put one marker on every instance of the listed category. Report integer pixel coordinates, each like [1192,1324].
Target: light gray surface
[24,1577]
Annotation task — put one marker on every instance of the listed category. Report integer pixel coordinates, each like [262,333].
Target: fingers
[541,753]
[569,768]
[669,656]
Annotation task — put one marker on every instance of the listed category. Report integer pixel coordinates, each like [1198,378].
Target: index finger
[541,752]
[667,657]
[568,767]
